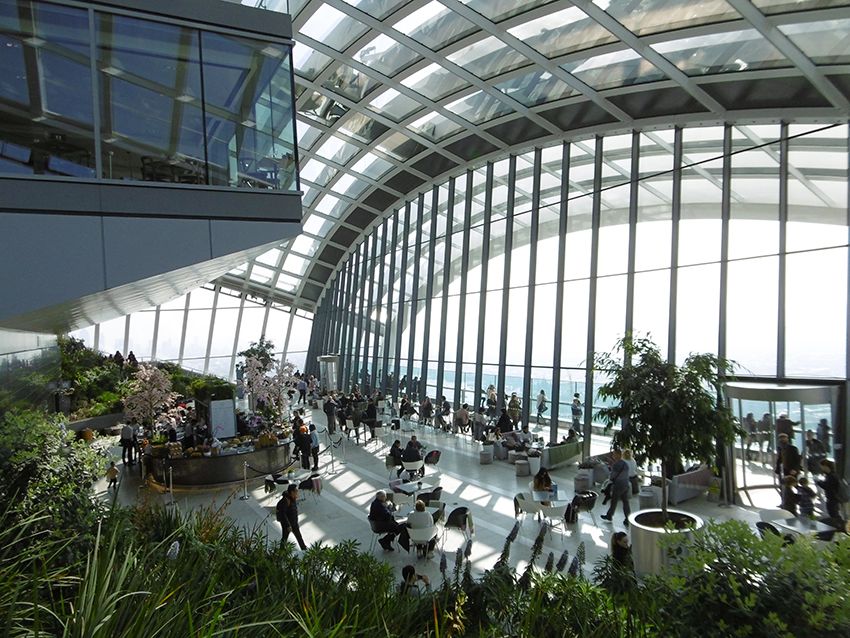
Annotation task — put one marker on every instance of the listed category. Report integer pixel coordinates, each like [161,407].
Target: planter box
[648,554]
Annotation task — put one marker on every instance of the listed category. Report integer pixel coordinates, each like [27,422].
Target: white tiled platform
[355,473]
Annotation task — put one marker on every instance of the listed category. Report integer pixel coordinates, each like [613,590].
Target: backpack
[571,514]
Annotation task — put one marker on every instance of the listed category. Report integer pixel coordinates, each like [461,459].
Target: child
[112,476]
[805,498]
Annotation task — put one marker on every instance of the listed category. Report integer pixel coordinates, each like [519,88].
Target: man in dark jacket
[287,515]
[379,513]
[370,417]
[620,487]
[788,460]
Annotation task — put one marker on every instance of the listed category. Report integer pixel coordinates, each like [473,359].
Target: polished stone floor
[352,475]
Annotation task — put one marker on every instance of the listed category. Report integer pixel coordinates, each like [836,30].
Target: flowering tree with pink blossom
[147,394]
[270,384]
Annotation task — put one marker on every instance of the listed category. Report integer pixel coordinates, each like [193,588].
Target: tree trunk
[664,491]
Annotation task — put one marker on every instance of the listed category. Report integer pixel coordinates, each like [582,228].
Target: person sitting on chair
[396,454]
[379,512]
[420,518]
[410,580]
[413,453]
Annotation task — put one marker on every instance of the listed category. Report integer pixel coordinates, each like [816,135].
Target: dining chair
[523,503]
[458,519]
[420,538]
[413,467]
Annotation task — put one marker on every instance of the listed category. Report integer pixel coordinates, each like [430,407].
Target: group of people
[382,517]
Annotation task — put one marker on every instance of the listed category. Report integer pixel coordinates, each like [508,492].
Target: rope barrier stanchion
[245,496]
[171,502]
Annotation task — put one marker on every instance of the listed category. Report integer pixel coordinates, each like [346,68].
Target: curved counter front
[226,468]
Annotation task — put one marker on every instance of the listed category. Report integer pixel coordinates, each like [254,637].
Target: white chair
[400,499]
[554,515]
[420,538]
[525,504]
[380,433]
[413,467]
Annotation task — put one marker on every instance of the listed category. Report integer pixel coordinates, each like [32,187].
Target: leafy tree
[668,412]
[262,351]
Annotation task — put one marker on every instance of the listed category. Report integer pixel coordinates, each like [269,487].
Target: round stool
[511,456]
[522,468]
[485,456]
[582,483]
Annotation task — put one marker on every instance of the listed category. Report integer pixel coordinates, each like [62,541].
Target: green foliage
[733,583]
[47,473]
[668,412]
[208,388]
[263,350]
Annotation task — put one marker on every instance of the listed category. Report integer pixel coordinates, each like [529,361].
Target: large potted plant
[667,413]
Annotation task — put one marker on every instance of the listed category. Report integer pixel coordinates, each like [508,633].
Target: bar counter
[224,468]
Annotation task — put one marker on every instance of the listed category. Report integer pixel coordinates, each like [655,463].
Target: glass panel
[138,62]
[140,341]
[652,305]
[400,146]
[45,77]
[362,127]
[697,319]
[666,15]
[699,229]
[610,311]
[386,55]
[317,172]
[782,6]
[517,326]
[394,105]
[351,83]
[752,314]
[544,325]
[824,42]
[562,32]
[535,88]
[308,62]
[435,26]
[337,150]
[722,53]
[251,326]
[380,9]
[488,57]
[320,107]
[332,28]
[817,188]
[815,307]
[498,10]
[112,335]
[754,210]
[619,68]
[574,324]
[249,119]
[435,126]
[170,331]
[197,333]
[470,332]
[434,82]
[479,107]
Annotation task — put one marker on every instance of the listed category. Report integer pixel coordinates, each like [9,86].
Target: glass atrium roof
[393,96]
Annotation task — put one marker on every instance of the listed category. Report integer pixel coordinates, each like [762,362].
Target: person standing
[314,446]
[542,405]
[620,487]
[127,444]
[287,515]
[514,409]
[575,411]
[831,489]
[301,386]
[788,460]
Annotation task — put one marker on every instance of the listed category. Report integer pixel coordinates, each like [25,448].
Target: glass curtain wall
[728,239]
[100,95]
[204,329]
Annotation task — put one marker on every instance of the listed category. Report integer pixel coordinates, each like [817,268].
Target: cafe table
[801,525]
[545,496]
[411,489]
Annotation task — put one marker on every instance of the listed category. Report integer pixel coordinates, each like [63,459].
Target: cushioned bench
[688,485]
[561,454]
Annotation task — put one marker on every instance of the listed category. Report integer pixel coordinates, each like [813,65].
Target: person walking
[127,444]
[542,405]
[620,487]
[112,476]
[287,515]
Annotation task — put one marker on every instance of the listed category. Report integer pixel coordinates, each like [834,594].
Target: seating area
[487,492]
